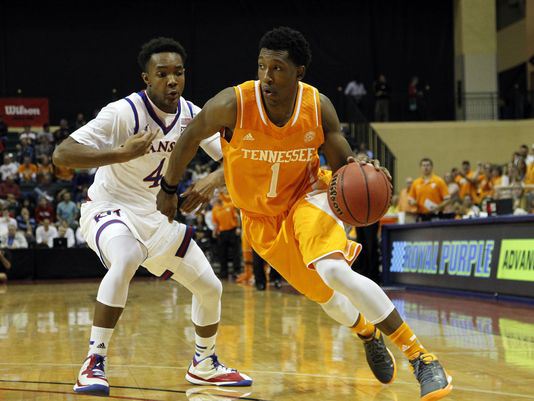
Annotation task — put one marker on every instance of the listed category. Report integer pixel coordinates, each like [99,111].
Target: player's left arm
[335,147]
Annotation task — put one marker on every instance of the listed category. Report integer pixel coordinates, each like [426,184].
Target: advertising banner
[494,255]
[18,112]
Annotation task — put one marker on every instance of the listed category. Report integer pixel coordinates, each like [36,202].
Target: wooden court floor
[290,348]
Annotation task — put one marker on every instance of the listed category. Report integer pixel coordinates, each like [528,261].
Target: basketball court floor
[286,343]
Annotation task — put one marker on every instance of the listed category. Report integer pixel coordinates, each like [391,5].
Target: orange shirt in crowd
[48,169]
[529,176]
[224,217]
[404,202]
[28,172]
[428,193]
[467,187]
[485,189]
[64,173]
[225,198]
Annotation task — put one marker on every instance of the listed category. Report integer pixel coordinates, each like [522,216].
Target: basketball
[359,194]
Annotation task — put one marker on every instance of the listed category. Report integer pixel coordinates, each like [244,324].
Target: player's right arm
[219,112]
[103,141]
[76,155]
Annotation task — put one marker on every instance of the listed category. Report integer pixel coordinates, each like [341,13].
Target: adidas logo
[248,137]
[405,347]
[101,346]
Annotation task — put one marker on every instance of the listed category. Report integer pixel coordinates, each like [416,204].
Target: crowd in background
[487,190]
[40,202]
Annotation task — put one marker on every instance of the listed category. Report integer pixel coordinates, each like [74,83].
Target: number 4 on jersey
[155,176]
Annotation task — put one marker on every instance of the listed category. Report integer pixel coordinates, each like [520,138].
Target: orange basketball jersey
[268,168]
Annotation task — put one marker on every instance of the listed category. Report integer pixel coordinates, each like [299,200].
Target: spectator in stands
[28,134]
[9,168]
[26,224]
[414,99]
[80,240]
[79,122]
[11,204]
[62,132]
[355,91]
[28,204]
[468,180]
[364,150]
[46,188]
[409,210]
[393,209]
[470,210]
[530,156]
[46,133]
[64,175]
[5,221]
[64,231]
[43,148]
[449,210]
[228,234]
[28,171]
[485,184]
[496,178]
[521,168]
[44,211]
[67,210]
[45,234]
[429,192]
[9,186]
[382,98]
[13,239]
[529,184]
[25,149]
[44,167]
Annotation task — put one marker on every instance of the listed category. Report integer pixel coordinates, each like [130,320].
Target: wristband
[169,189]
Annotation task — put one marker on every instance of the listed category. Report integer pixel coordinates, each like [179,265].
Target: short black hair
[466,162]
[285,38]
[159,45]
[426,159]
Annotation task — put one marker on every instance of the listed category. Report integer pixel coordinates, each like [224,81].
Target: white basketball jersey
[136,182]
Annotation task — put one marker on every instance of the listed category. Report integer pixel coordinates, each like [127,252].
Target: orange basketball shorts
[293,241]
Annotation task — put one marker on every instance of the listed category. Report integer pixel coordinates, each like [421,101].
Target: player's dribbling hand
[363,159]
[139,144]
[167,204]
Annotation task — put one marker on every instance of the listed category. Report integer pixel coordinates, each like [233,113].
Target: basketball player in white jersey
[129,141]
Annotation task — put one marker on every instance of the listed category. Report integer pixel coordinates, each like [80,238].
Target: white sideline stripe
[410,383]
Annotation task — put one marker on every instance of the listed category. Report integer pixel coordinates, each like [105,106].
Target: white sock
[99,342]
[204,346]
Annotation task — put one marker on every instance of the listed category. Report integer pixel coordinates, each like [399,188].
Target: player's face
[278,76]
[426,168]
[165,78]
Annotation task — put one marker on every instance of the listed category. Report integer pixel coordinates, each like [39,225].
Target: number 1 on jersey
[275,168]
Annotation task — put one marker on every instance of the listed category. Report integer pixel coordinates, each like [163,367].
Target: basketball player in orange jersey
[273,128]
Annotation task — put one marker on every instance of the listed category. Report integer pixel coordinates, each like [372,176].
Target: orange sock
[406,340]
[363,327]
